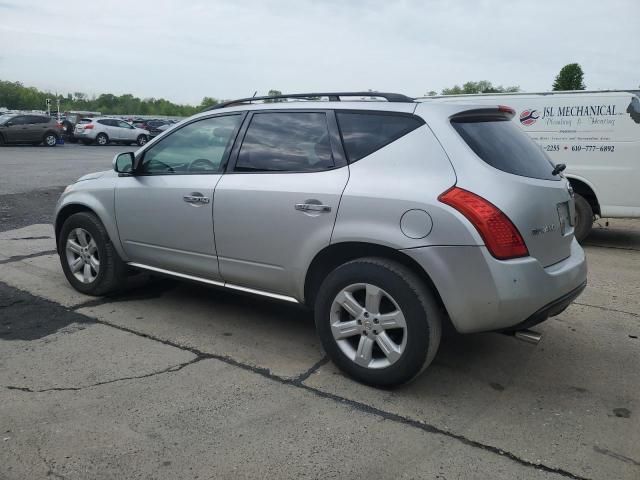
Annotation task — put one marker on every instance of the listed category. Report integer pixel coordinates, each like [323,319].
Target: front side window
[122,124]
[363,133]
[37,119]
[286,142]
[198,147]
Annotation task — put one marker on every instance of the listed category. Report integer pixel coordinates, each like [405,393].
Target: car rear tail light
[500,235]
[88,126]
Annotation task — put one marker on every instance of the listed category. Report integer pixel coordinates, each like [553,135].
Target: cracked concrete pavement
[175,380]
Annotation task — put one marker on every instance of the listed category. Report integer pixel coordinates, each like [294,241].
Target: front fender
[99,200]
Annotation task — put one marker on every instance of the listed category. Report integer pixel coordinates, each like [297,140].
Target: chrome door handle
[196,199]
[312,207]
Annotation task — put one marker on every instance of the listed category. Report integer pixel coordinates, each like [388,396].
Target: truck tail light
[500,235]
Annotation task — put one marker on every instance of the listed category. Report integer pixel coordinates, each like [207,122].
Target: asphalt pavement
[175,380]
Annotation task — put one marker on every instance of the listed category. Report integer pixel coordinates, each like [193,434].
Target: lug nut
[375,320]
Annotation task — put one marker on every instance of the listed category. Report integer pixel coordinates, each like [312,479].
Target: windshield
[506,147]
[5,117]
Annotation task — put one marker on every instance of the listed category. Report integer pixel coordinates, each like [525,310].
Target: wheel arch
[74,207]
[338,253]
[586,190]
[103,133]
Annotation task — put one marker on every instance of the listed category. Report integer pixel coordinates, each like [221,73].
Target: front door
[125,131]
[276,206]
[18,130]
[164,210]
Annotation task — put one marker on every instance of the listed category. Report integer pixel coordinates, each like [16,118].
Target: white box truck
[596,134]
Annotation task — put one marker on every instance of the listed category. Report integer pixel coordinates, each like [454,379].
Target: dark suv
[34,129]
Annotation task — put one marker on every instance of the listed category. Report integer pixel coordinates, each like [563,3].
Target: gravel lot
[174,380]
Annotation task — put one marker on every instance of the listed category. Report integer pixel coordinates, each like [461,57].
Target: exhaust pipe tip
[528,336]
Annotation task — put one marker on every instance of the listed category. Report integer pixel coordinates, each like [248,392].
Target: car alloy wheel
[102,139]
[82,255]
[142,140]
[368,326]
[50,140]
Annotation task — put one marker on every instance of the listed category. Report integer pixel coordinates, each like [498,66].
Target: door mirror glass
[123,162]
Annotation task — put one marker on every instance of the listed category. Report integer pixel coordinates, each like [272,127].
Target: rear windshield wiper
[558,169]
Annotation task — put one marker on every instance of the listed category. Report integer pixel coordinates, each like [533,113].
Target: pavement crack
[11,304]
[17,258]
[171,369]
[608,309]
[616,455]
[359,406]
[298,382]
[314,368]
[31,238]
[611,247]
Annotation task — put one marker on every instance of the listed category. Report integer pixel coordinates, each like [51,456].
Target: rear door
[38,126]
[276,205]
[517,176]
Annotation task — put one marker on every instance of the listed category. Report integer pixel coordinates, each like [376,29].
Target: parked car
[69,121]
[387,219]
[103,130]
[152,126]
[596,134]
[29,128]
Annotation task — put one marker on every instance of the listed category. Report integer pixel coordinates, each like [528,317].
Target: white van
[595,133]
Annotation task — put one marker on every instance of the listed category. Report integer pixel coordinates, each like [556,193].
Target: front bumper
[481,293]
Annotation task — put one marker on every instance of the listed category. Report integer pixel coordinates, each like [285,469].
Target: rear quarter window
[365,132]
[503,145]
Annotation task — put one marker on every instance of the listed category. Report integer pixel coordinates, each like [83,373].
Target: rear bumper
[481,293]
[551,310]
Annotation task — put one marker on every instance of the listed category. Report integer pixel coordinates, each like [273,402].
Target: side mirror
[123,163]
[8,124]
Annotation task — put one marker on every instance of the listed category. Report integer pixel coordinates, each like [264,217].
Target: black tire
[112,272]
[584,218]
[419,307]
[102,139]
[142,140]
[50,139]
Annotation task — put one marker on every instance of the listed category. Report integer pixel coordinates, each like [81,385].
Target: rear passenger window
[286,142]
[363,133]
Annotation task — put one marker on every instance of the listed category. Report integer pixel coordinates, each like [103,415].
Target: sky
[185,50]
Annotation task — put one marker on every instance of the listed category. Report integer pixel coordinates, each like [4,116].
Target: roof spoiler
[499,112]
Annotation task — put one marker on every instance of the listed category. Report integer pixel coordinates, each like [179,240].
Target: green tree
[15,96]
[274,93]
[208,102]
[482,86]
[571,77]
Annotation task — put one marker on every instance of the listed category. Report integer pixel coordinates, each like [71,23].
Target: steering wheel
[202,164]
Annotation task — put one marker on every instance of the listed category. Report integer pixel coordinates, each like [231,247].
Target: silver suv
[102,130]
[387,218]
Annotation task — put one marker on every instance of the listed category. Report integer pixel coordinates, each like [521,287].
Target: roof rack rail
[333,97]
